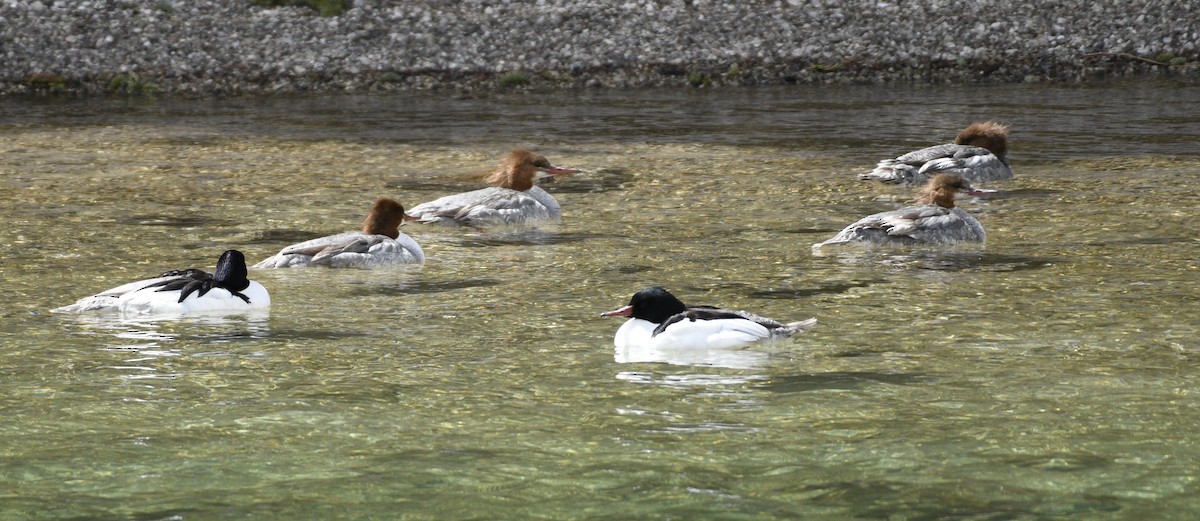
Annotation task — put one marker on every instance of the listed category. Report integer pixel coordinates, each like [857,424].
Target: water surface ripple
[1049,376]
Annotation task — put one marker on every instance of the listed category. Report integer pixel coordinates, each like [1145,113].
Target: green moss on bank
[325,7]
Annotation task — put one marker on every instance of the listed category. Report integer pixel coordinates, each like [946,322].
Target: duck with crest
[380,243]
[979,154]
[514,199]
[933,220]
[177,292]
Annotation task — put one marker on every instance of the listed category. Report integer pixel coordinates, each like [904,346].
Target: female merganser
[935,220]
[658,320]
[514,199]
[379,243]
[185,291]
[979,153]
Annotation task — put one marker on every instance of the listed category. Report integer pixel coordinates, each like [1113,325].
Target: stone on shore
[207,47]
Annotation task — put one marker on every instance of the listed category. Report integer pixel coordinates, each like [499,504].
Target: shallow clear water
[1050,376]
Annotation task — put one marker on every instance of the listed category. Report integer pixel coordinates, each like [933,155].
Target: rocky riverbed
[213,47]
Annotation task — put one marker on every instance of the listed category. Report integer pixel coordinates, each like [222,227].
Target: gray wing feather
[977,164]
[508,207]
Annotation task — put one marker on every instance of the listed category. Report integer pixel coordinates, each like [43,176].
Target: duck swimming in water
[513,200]
[178,292]
[380,243]
[658,320]
[934,220]
[979,154]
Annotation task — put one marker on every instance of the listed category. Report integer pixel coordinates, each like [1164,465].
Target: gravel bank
[206,47]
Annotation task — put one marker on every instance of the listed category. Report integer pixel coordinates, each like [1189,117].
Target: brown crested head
[988,134]
[385,218]
[519,169]
[941,189]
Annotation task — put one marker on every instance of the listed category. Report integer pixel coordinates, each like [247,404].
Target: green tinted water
[1051,376]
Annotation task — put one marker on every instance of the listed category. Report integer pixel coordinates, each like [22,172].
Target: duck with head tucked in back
[380,243]
[979,154]
[934,220]
[179,292]
[514,199]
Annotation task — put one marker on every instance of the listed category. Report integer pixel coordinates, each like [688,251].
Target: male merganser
[185,291]
[979,153]
[514,199]
[379,243]
[934,220]
[658,320]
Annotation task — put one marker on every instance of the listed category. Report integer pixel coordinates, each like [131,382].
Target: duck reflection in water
[729,358]
[151,336]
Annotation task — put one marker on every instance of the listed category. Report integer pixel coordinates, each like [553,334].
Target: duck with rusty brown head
[979,154]
[380,243]
[933,220]
[513,198]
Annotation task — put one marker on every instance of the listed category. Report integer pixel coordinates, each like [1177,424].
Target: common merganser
[379,243]
[178,292]
[934,220]
[979,153]
[514,200]
[658,320]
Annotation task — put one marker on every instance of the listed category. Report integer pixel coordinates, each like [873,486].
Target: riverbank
[217,47]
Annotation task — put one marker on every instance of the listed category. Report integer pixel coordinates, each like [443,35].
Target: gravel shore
[215,47]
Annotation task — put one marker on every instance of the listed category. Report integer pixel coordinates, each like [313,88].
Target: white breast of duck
[936,221]
[660,321]
[979,154]
[180,292]
[380,243]
[513,200]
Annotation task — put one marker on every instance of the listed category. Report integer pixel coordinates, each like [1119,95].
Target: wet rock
[231,46]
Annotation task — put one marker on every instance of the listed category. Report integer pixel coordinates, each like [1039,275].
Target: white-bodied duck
[658,320]
[514,199]
[179,292]
[979,154]
[934,220]
[380,243]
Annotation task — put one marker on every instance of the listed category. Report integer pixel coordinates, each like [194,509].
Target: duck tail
[803,325]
